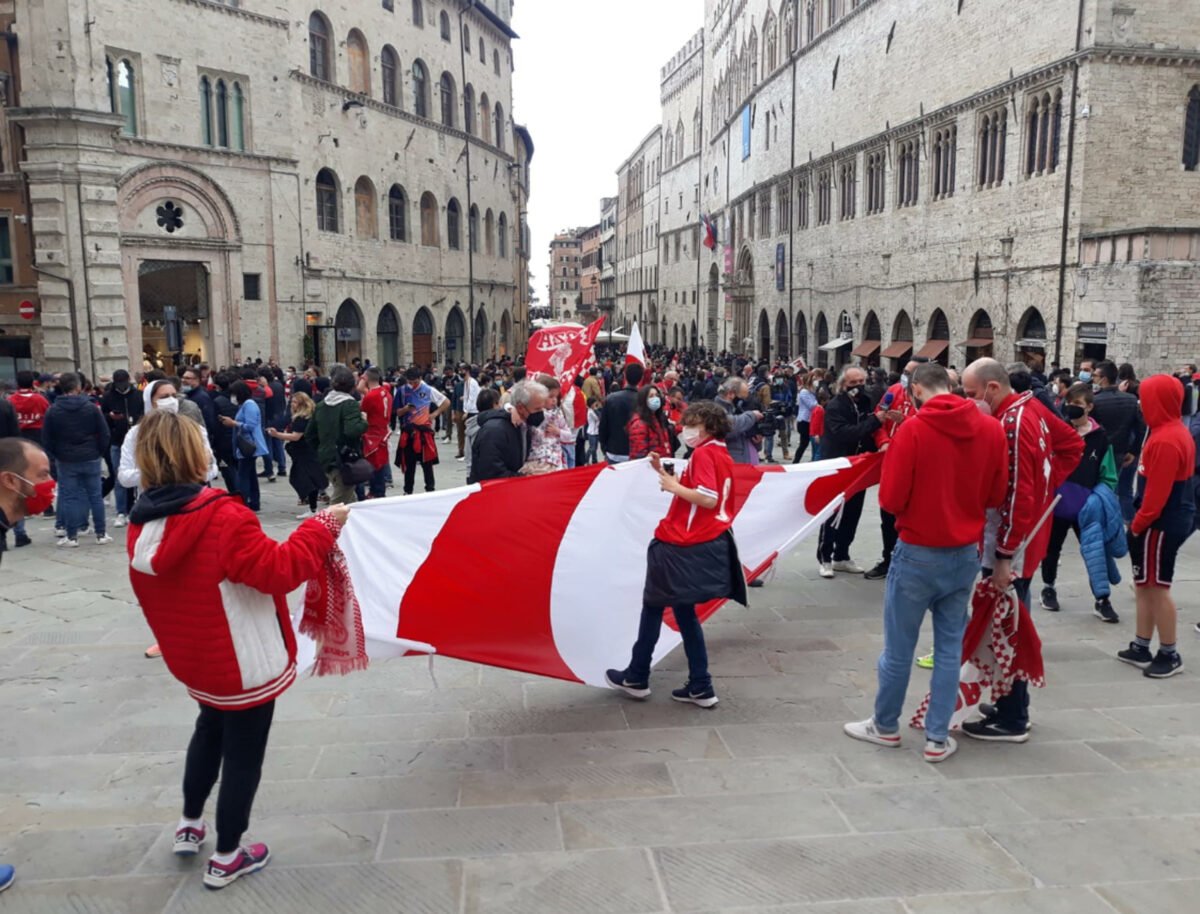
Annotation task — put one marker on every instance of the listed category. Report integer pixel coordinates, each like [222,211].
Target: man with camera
[744,424]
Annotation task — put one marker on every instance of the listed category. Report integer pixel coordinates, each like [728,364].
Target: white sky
[586,85]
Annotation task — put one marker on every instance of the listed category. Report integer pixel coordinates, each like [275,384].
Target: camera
[773,420]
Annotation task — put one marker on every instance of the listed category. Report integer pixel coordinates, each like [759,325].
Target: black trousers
[1012,711]
[412,456]
[1058,537]
[887,525]
[802,444]
[232,744]
[838,532]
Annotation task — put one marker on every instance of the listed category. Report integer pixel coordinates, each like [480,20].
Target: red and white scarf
[332,617]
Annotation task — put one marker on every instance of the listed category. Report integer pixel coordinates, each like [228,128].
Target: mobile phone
[669,467]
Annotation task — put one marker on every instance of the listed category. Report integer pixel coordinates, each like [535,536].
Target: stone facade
[339,179]
[566,267]
[879,175]
[638,208]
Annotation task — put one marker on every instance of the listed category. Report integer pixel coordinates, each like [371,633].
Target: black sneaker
[639,690]
[1050,599]
[1136,655]
[1104,611]
[878,573]
[989,711]
[1164,665]
[990,731]
[49,512]
[704,698]
[757,582]
[23,540]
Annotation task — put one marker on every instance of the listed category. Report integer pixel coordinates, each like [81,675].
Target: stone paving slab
[478,790]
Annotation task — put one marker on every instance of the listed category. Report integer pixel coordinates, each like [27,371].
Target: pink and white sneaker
[188,840]
[250,859]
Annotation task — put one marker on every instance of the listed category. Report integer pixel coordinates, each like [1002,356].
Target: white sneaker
[849,567]
[65,542]
[939,752]
[865,730]
[120,521]
[60,532]
[306,515]
[826,570]
[103,540]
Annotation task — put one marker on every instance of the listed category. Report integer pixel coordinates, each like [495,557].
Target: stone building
[885,182]
[637,237]
[339,178]
[566,254]
[589,275]
[607,301]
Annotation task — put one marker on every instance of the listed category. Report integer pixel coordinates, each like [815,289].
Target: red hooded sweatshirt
[946,465]
[1168,460]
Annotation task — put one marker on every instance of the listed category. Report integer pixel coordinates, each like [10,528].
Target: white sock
[185,822]
[227,858]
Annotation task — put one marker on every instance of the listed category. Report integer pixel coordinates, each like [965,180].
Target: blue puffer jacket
[1102,539]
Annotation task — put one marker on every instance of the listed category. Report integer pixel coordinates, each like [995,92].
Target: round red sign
[27,310]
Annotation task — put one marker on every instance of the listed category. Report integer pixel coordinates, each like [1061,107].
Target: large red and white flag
[563,598]
[635,349]
[564,353]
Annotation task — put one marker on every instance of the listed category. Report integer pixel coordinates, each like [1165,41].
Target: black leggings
[232,744]
[802,443]
[1058,538]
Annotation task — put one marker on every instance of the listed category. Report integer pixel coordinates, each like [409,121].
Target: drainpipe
[469,334]
[791,208]
[1069,176]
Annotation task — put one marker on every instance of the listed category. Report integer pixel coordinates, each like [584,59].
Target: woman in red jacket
[647,427]
[231,644]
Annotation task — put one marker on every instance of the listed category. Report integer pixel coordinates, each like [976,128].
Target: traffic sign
[27,310]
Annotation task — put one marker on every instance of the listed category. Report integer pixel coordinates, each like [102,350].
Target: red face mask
[42,497]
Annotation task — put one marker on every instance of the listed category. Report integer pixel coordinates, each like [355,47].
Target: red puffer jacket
[213,585]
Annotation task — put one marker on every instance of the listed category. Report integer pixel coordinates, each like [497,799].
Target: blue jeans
[276,453]
[80,484]
[378,482]
[120,493]
[693,645]
[247,482]
[593,442]
[920,578]
[769,447]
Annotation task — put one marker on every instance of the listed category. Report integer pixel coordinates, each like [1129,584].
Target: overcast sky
[586,85]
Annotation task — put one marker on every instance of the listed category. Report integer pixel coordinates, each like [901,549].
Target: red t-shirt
[31,408]
[816,423]
[709,471]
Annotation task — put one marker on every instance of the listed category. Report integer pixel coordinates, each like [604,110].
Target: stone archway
[179,227]
[714,293]
[456,337]
[764,337]
[387,336]
[743,303]
[422,338]
[782,338]
[348,332]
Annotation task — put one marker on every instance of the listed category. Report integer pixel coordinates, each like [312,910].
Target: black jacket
[200,397]
[129,406]
[614,419]
[222,445]
[9,426]
[850,427]
[500,448]
[1118,412]
[74,430]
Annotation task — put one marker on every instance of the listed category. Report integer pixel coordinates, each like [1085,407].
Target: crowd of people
[984,472]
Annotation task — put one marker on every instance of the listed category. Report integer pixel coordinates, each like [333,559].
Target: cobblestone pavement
[496,792]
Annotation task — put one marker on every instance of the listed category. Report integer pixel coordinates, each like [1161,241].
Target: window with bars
[327,201]
[1042,132]
[945,161]
[993,141]
[802,201]
[824,196]
[764,214]
[908,171]
[876,181]
[397,213]
[847,189]
[783,192]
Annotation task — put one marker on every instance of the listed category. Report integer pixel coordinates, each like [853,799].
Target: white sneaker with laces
[939,752]
[866,731]
[849,566]
[103,539]
[306,515]
[65,542]
[826,570]
[120,521]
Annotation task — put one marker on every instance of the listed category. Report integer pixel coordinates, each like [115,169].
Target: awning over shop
[866,349]
[897,349]
[977,342]
[836,344]
[934,348]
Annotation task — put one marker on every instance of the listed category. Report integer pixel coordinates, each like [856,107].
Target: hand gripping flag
[564,353]
[563,598]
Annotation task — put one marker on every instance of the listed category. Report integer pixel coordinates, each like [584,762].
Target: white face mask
[167,404]
[691,436]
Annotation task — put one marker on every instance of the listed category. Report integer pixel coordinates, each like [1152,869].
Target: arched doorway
[714,291]
[675,336]
[764,337]
[822,341]
[743,304]
[651,330]
[479,337]
[900,349]
[387,335]
[695,337]
[802,337]
[978,344]
[422,338]
[505,331]
[1031,340]
[845,337]
[456,337]
[867,351]
[781,336]
[937,339]
[347,329]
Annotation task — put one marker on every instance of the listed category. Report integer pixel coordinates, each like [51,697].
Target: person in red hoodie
[1042,452]
[945,467]
[1165,514]
[233,645]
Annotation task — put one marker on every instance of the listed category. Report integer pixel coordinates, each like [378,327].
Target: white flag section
[635,349]
[558,592]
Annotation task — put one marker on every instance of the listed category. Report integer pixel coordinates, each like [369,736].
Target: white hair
[523,392]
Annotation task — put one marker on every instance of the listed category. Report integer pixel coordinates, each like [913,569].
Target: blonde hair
[170,450]
[302,405]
